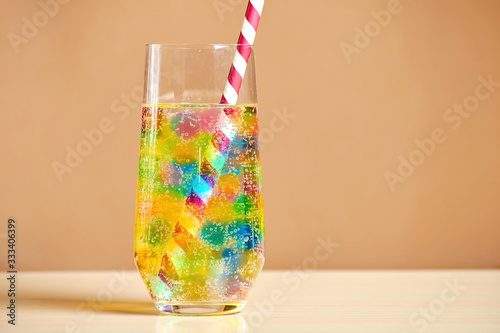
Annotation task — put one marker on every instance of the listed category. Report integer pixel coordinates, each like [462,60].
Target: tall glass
[199,230]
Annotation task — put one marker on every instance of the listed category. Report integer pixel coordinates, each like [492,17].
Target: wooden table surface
[282,301]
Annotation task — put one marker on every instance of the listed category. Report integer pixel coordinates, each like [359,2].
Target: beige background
[323,171]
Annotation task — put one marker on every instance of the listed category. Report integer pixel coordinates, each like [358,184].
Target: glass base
[200,309]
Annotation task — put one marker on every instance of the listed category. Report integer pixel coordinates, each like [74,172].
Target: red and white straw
[244,49]
[217,153]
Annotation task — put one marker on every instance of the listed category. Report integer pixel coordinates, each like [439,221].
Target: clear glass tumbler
[199,228]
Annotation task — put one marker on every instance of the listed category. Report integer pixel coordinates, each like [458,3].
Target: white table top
[282,301]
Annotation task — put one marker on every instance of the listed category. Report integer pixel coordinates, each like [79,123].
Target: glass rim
[193,45]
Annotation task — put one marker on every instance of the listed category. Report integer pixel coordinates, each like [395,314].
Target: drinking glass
[199,228]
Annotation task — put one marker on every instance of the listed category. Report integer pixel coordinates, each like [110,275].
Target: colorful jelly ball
[252,267]
[182,178]
[167,207]
[248,124]
[185,154]
[244,236]
[198,249]
[199,259]
[209,119]
[219,209]
[229,184]
[237,287]
[231,261]
[167,141]
[202,142]
[214,234]
[170,175]
[237,147]
[156,232]
[174,121]
[148,262]
[195,288]
[243,205]
[186,127]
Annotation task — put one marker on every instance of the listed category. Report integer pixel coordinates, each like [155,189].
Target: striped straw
[245,42]
[216,154]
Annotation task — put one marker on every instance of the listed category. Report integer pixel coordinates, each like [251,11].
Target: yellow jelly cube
[189,222]
[148,262]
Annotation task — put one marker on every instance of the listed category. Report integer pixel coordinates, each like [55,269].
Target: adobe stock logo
[431,311]
[278,123]
[373,28]
[30,27]
[291,281]
[453,118]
